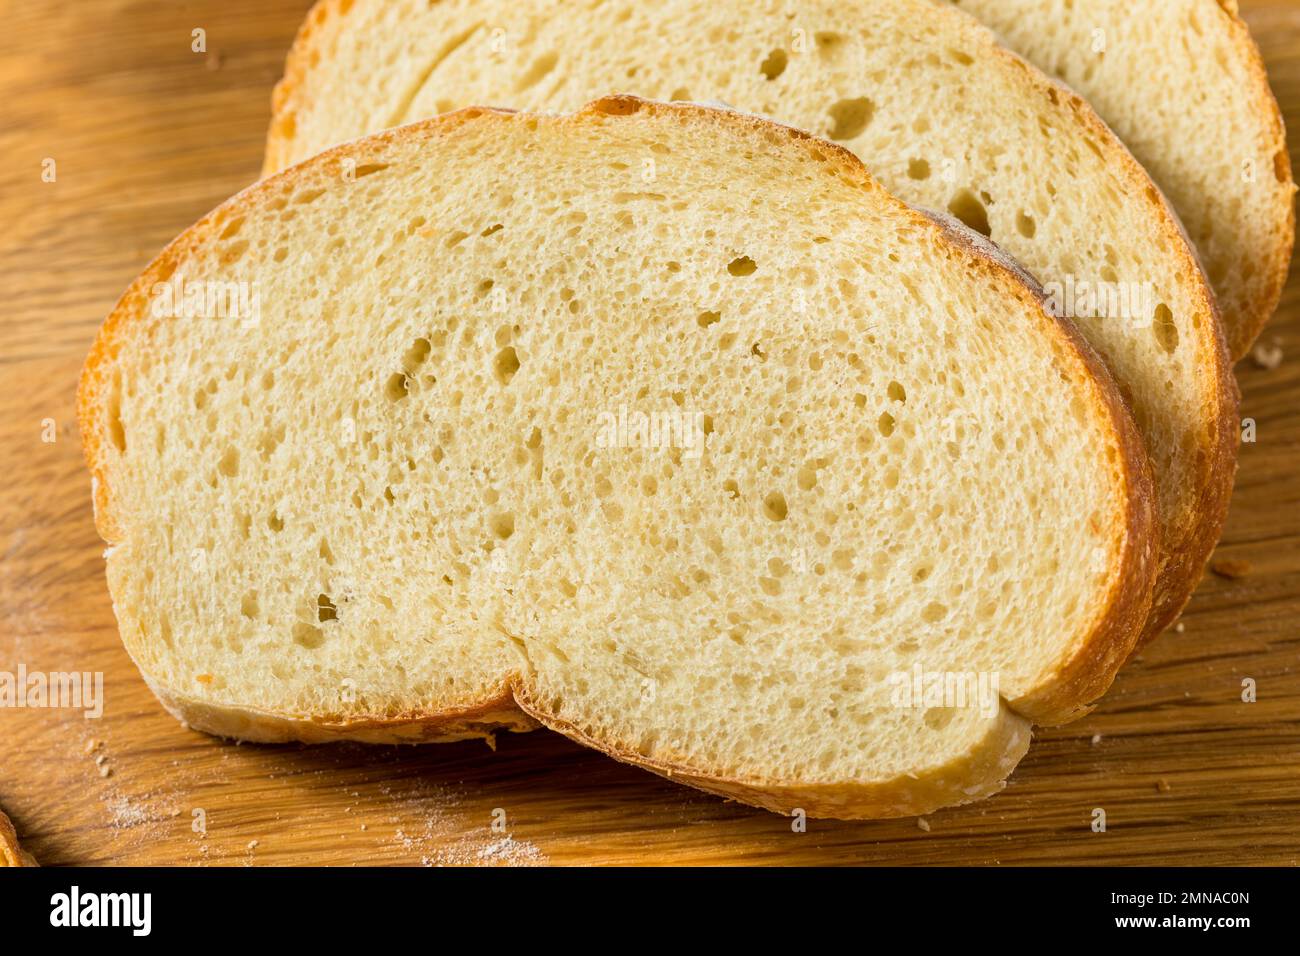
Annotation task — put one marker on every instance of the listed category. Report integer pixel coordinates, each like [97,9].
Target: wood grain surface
[146,136]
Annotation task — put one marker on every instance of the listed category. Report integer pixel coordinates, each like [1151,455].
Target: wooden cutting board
[146,136]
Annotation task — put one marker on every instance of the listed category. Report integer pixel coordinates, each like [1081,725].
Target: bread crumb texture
[412,482]
[943,115]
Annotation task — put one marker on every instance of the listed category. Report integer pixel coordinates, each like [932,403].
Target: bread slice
[943,115]
[409,499]
[11,854]
[1182,83]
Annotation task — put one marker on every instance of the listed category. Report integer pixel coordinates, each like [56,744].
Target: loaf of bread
[1182,83]
[944,116]
[663,426]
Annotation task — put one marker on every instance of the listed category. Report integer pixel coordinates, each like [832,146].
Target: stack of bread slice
[809,448]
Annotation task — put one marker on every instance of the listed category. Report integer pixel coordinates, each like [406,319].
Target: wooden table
[148,135]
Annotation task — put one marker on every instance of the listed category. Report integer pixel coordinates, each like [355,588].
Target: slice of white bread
[942,114]
[412,500]
[1182,83]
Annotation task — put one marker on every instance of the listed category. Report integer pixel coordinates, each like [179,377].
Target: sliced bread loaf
[1182,83]
[663,426]
[943,115]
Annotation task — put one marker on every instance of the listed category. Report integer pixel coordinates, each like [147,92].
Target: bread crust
[1244,329]
[1183,558]
[510,705]
[481,719]
[1221,33]
[11,854]
[980,774]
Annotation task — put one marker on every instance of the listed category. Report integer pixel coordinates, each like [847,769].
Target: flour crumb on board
[1231,568]
[1267,355]
[125,813]
[425,829]
[514,852]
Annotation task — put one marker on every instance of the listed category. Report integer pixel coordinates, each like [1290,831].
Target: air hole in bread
[275,522]
[896,392]
[233,252]
[886,424]
[543,65]
[116,429]
[775,64]
[708,318]
[774,506]
[850,117]
[1164,328]
[416,354]
[397,387]
[744,266]
[966,206]
[503,525]
[505,365]
[733,491]
[232,228]
[934,612]
[937,718]
[308,635]
[326,610]
[368,169]
[229,464]
[1025,224]
[249,606]
[918,169]
[828,43]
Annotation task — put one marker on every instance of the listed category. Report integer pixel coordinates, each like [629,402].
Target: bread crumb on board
[923,823]
[1267,355]
[1230,568]
[423,825]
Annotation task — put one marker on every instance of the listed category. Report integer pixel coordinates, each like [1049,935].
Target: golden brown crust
[1069,693]
[979,774]
[481,719]
[11,854]
[1243,329]
[509,705]
[296,63]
